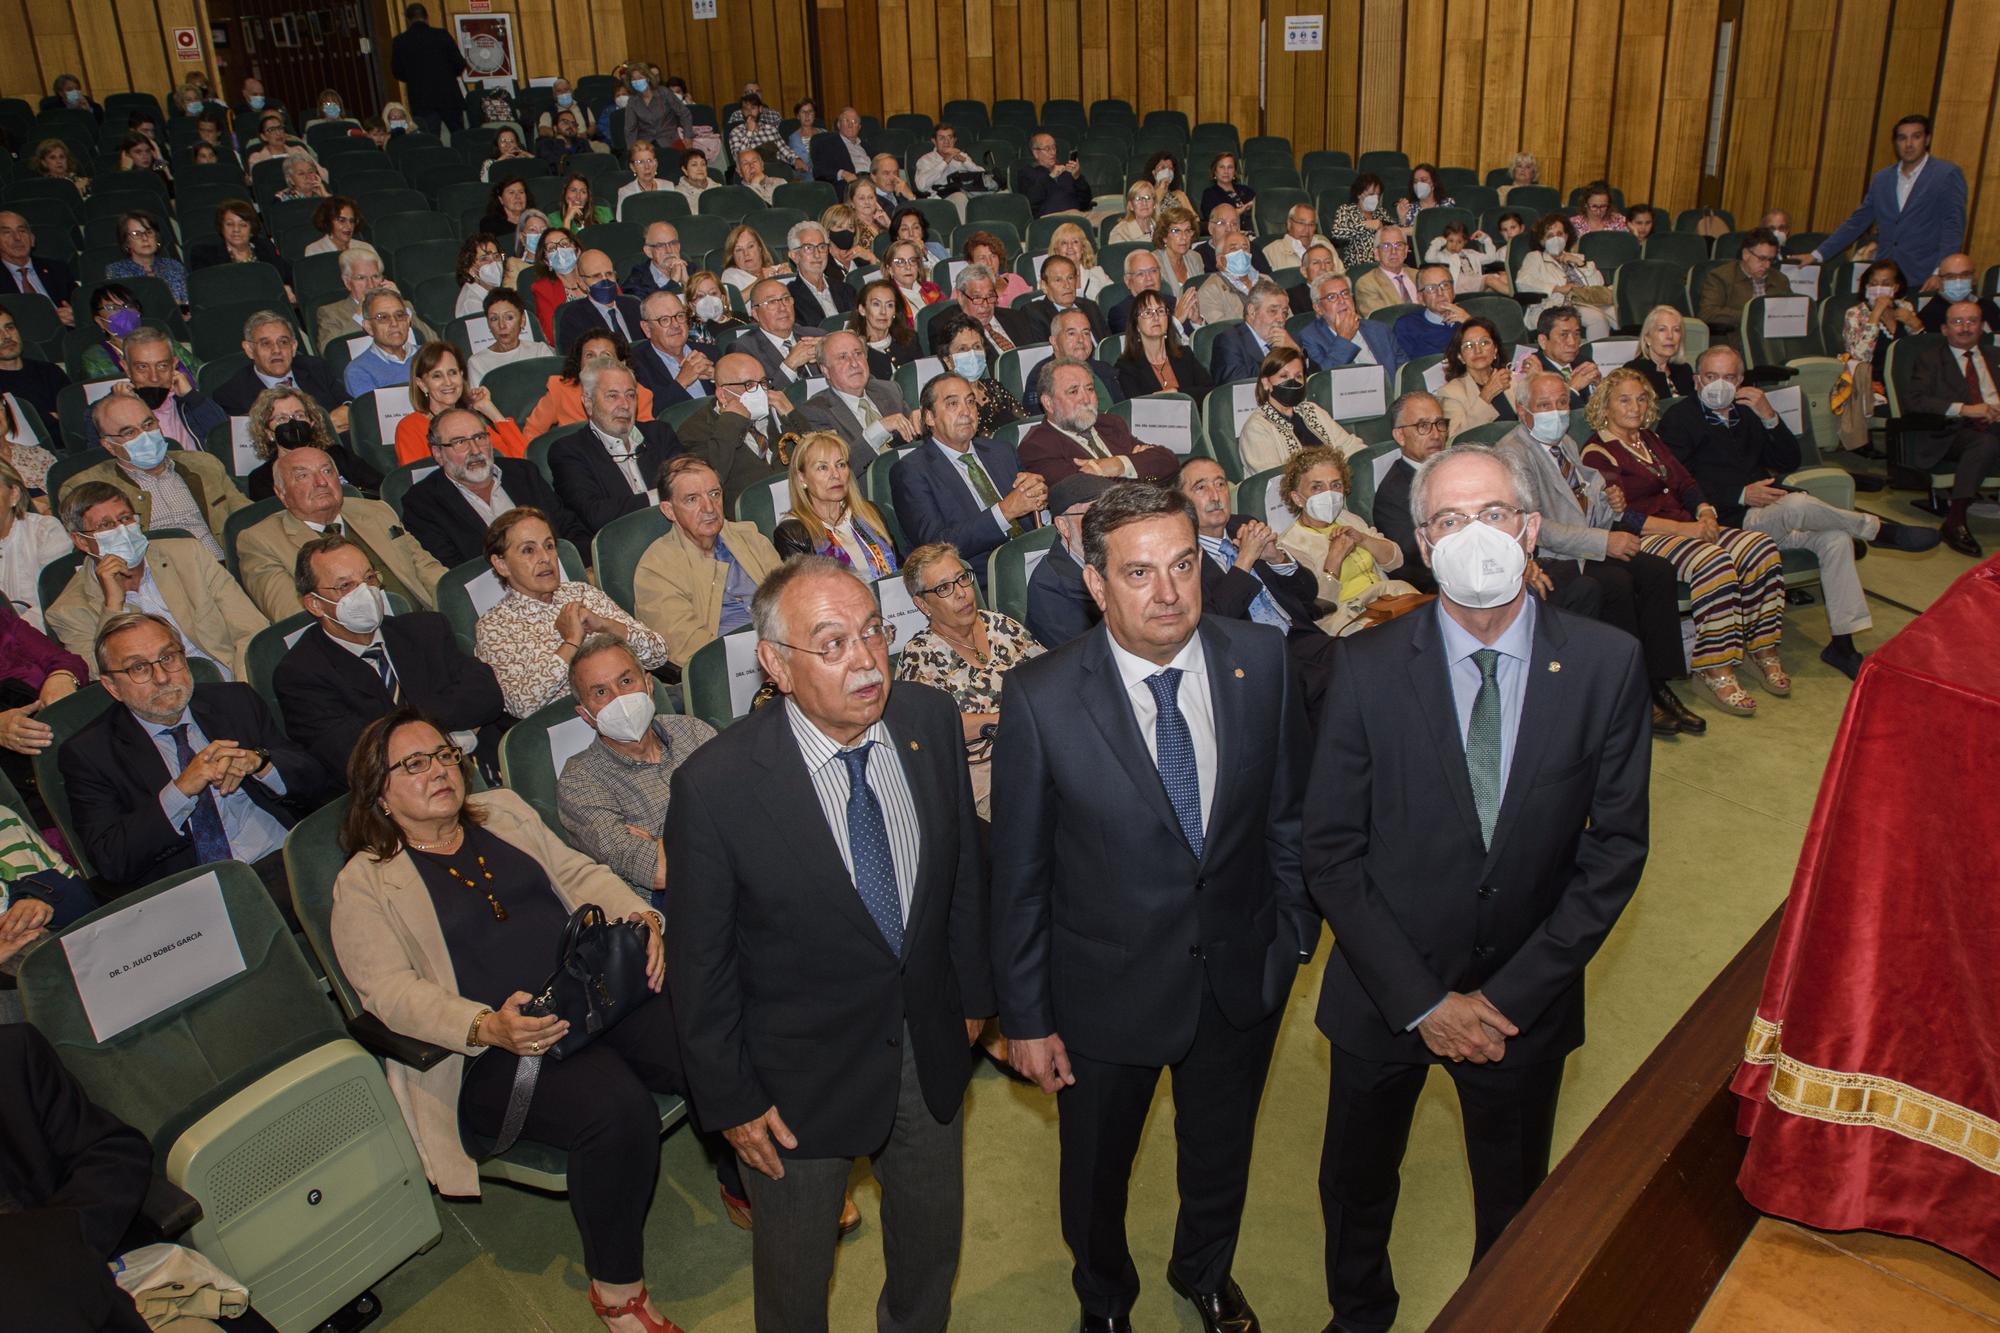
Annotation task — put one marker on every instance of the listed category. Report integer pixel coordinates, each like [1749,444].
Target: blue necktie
[205,824]
[378,657]
[868,845]
[1264,608]
[1175,755]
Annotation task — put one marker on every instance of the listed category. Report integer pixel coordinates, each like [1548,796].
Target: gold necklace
[452,836]
[966,649]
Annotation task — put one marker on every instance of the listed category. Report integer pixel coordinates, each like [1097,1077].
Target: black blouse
[492,958]
[1677,382]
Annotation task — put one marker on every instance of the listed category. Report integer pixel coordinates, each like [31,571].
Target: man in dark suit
[978,293]
[819,298]
[1462,926]
[275,359]
[669,364]
[1148,909]
[606,467]
[605,308]
[1960,379]
[782,345]
[359,662]
[840,156]
[1390,510]
[449,510]
[1057,296]
[832,836]
[1241,348]
[1070,336]
[738,434]
[177,774]
[22,271]
[1060,607]
[1052,186]
[33,382]
[954,488]
[428,62]
[869,414]
[1074,437]
[663,269]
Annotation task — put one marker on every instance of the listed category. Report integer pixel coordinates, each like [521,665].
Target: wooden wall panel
[1545,108]
[114,46]
[1502,90]
[1753,106]
[1847,142]
[1463,70]
[1423,79]
[1585,150]
[1343,78]
[1798,130]
[1381,112]
[1684,97]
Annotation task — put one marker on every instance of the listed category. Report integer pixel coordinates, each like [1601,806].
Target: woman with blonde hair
[51,159]
[749,259]
[1141,202]
[829,516]
[29,540]
[1351,560]
[1173,245]
[1073,243]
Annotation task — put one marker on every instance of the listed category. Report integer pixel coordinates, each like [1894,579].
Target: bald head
[736,374]
[595,266]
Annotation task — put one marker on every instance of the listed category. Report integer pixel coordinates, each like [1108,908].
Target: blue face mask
[1957,289]
[531,242]
[563,259]
[256,102]
[194,106]
[565,100]
[1238,264]
[125,541]
[331,110]
[1548,427]
[147,450]
[969,365]
[638,85]
[73,96]
[604,291]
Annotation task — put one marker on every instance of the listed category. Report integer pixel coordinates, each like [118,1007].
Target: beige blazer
[1308,547]
[678,590]
[1219,299]
[207,481]
[1373,291]
[386,936]
[1263,444]
[1281,253]
[1463,407]
[203,600]
[267,552]
[342,320]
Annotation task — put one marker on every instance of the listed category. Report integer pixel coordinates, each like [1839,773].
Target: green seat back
[237,523]
[1221,411]
[706,681]
[71,464]
[1203,346]
[1009,566]
[313,860]
[454,595]
[1609,250]
[267,648]
[616,550]
[396,484]
[236,284]
[364,430]
[763,502]
[517,386]
[1196,445]
[1641,284]
[1761,350]
[1254,497]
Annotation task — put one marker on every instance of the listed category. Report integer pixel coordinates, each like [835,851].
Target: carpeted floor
[1729,811]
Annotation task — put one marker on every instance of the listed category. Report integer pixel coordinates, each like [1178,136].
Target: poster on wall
[488,43]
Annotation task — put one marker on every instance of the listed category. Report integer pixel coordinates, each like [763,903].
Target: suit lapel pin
[1239,673]
[914,745]
[1555,666]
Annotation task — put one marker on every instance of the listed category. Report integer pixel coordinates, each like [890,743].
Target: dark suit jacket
[1040,313]
[198,412]
[1391,517]
[1107,374]
[1725,459]
[716,437]
[827,412]
[1015,324]
[785,992]
[1418,907]
[934,505]
[235,394]
[1052,455]
[438,516]
[638,281]
[754,342]
[652,374]
[592,487]
[55,276]
[114,774]
[1228,592]
[1060,607]
[1049,193]
[1107,927]
[806,308]
[829,156]
[1235,355]
[329,695]
[1937,380]
[576,318]
[1536,362]
[429,62]
[1137,379]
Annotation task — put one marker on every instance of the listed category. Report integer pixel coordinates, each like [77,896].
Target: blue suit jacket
[1328,350]
[576,318]
[1417,336]
[1235,355]
[1918,235]
[934,505]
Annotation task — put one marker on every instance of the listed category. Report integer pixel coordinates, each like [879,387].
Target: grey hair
[1131,255]
[386,291]
[355,252]
[796,235]
[600,642]
[145,335]
[1517,477]
[80,499]
[1320,287]
[1528,160]
[1525,386]
[587,380]
[1045,374]
[764,614]
[1713,349]
[972,273]
[121,622]
[260,319]
[825,352]
[1404,400]
[1263,290]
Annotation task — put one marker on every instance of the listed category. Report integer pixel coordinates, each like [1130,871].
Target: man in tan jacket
[308,486]
[1727,289]
[695,583]
[174,578]
[168,488]
[1392,281]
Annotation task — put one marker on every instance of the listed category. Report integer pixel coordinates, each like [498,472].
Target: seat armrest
[380,1040]
[1925,421]
[1834,485]
[170,1210]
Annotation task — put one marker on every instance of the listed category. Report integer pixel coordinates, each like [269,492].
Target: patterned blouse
[999,407]
[928,660]
[518,639]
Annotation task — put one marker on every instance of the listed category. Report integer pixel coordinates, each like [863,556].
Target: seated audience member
[752,176]
[158,375]
[1246,576]
[1141,273]
[239,239]
[868,413]
[957,341]
[1225,292]
[449,510]
[694,180]
[1392,281]
[1070,337]
[360,662]
[694,583]
[1222,224]
[884,327]
[1050,185]
[964,651]
[904,274]
[557,280]
[1642,220]
[1659,357]
[1957,278]
[1466,255]
[139,241]
[507,147]
[990,252]
[181,774]
[508,203]
[1239,350]
[303,180]
[978,297]
[1476,377]
[526,256]
[1419,427]
[1153,359]
[507,321]
[392,345]
[885,177]
[530,634]
[1060,607]
[177,488]
[29,541]
[1426,332]
[283,419]
[613,794]
[1869,329]
[40,891]
[1072,243]
[468,992]
[307,486]
[1726,289]
[960,487]
[34,382]
[601,469]
[437,382]
[1286,421]
[948,171]
[1340,336]
[561,403]
[839,156]
[1960,380]
[750,259]
[1566,280]
[780,344]
[819,299]
[1058,296]
[664,268]
[481,269]
[1351,561]
[1141,200]
[28,461]
[1321,262]
[1301,235]
[1558,340]
[1739,449]
[668,364]
[827,515]
[738,434]
[115,312]
[603,305]
[1597,214]
[1075,437]
[275,362]
[22,271]
[360,274]
[1163,168]
[1524,171]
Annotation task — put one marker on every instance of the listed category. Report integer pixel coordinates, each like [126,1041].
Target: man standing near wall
[428,63]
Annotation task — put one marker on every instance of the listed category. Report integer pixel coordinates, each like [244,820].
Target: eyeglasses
[1428,426]
[418,764]
[668,246]
[1475,345]
[964,580]
[465,441]
[783,299]
[810,248]
[338,591]
[1447,521]
[666,319]
[838,646]
[1430,287]
[1390,245]
[163,667]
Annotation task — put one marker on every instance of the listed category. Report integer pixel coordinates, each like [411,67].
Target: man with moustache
[449,510]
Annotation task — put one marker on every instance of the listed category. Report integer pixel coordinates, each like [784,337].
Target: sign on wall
[488,43]
[1305,32]
[187,45]
[704,9]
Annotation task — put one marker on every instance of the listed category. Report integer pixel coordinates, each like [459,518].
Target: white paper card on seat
[242,453]
[956,267]
[1613,353]
[1803,277]
[1163,421]
[1277,514]
[1357,391]
[899,609]
[1785,316]
[1038,261]
[810,387]
[1434,377]
[928,368]
[781,495]
[1243,401]
[1029,358]
[1383,462]
[391,406]
[1857,271]
[568,737]
[417,474]
[478,335]
[1030,560]
[96,389]
[296,635]
[1790,406]
[739,655]
[148,957]
[485,590]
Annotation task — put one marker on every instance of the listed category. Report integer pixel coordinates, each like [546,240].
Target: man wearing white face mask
[360,661]
[1462,925]
[168,488]
[1224,292]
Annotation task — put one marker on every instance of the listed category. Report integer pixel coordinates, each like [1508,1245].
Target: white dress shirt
[488,509]
[1192,697]
[885,778]
[625,454]
[955,458]
[870,417]
[1906,181]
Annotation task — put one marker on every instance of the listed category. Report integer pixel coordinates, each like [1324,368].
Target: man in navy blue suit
[958,489]
[21,271]
[606,308]
[1340,337]
[1241,348]
[1917,206]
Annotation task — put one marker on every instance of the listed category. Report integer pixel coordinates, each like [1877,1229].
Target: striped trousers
[1738,587]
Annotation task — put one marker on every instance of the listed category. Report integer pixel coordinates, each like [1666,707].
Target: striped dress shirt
[885,778]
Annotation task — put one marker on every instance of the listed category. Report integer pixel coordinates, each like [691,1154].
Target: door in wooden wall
[298,48]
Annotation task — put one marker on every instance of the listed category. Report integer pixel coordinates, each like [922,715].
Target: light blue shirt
[737,590]
[372,370]
[1264,608]
[253,832]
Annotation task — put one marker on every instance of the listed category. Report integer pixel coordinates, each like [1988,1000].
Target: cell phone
[1074,155]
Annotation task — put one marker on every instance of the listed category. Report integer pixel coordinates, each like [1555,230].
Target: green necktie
[1482,745]
[983,485]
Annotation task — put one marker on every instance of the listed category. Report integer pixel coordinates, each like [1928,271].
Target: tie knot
[856,760]
[1488,660]
[1166,687]
[178,732]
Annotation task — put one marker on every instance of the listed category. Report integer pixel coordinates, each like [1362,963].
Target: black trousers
[1509,1113]
[1217,1087]
[1638,596]
[1974,455]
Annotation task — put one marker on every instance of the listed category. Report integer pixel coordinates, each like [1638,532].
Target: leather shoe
[1692,723]
[1224,1310]
[1906,537]
[1960,539]
[1107,1323]
[1846,661]
[1664,722]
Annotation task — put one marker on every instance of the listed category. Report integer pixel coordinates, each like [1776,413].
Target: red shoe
[738,1209]
[636,1308]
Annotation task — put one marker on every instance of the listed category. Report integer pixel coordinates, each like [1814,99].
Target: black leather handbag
[600,977]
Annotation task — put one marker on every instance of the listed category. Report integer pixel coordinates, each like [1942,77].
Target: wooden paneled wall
[572,37]
[114,46]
